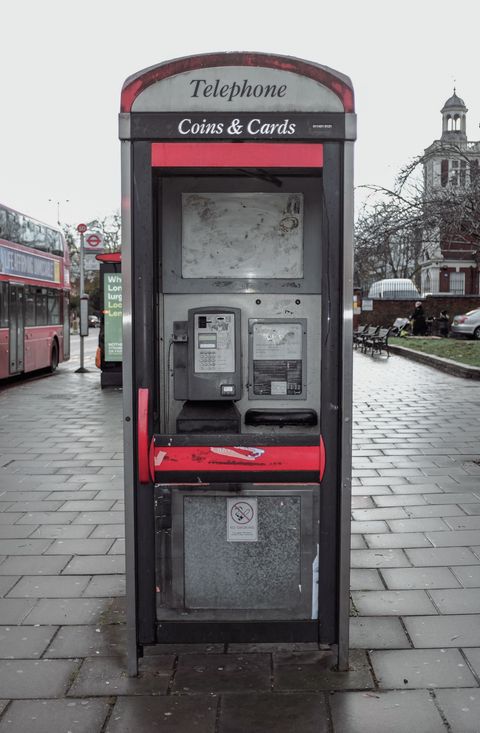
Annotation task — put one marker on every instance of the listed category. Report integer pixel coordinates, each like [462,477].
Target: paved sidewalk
[415,577]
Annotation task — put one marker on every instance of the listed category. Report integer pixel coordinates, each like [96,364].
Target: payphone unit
[237,276]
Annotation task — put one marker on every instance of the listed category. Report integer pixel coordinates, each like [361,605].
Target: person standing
[443,324]
[419,324]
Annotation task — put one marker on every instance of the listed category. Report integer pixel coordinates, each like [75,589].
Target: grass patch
[461,350]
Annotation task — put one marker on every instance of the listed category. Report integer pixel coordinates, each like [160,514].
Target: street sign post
[81,229]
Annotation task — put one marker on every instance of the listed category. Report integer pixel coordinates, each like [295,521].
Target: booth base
[242,632]
[111,378]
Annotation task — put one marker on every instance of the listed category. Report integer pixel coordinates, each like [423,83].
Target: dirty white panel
[238,89]
[242,235]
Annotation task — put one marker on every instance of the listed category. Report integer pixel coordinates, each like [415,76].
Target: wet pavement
[415,627]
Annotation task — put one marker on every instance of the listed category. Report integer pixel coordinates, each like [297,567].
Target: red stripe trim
[244,155]
[255,459]
[135,84]
[142,437]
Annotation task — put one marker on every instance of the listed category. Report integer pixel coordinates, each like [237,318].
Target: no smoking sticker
[242,520]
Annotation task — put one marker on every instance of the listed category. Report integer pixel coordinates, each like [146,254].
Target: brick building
[452,260]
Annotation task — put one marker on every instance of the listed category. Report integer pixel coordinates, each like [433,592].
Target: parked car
[467,324]
[93,321]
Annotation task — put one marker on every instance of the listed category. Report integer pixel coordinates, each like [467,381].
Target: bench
[377,342]
[357,334]
[367,334]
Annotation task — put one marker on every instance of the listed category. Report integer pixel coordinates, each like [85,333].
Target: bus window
[53,307]
[3,224]
[29,306]
[41,306]
[3,305]
[13,225]
[58,244]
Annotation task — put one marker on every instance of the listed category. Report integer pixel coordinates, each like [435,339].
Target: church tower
[454,119]
[451,263]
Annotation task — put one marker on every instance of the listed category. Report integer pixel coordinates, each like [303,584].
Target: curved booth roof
[314,87]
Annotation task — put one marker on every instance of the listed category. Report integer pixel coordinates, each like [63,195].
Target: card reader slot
[281,417]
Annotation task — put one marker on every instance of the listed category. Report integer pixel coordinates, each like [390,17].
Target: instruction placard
[242,520]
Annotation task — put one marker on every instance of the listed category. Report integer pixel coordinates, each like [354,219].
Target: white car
[467,324]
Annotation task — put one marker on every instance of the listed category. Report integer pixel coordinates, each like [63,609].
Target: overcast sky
[63,63]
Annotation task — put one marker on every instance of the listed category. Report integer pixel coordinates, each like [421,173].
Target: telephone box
[237,205]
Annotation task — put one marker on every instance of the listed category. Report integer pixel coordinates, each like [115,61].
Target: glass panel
[57,243]
[457,283]
[3,224]
[53,307]
[27,232]
[41,306]
[260,235]
[41,238]
[14,227]
[29,306]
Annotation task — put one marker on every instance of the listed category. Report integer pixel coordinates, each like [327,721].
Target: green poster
[112,289]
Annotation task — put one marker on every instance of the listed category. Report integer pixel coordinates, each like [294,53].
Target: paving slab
[108,676]
[369,632]
[417,578]
[397,539]
[380,558]
[6,583]
[316,671]
[469,576]
[378,712]
[49,586]
[85,641]
[421,668]
[28,678]
[214,673]
[66,611]
[473,656]
[105,585]
[41,565]
[441,556]
[444,631]
[392,602]
[14,610]
[24,642]
[170,714]
[461,709]
[273,713]
[96,565]
[365,579]
[458,600]
[43,716]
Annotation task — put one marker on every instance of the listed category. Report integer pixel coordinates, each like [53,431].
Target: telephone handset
[213,355]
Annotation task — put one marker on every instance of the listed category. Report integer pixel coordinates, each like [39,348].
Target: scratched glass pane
[242,235]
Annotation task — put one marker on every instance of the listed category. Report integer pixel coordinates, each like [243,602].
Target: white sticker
[242,520]
[278,388]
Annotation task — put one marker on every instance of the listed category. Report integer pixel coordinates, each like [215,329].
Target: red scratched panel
[245,155]
[241,458]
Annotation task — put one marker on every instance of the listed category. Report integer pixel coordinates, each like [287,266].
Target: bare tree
[399,227]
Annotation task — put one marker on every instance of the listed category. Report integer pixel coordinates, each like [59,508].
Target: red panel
[138,82]
[142,437]
[322,458]
[264,458]
[243,155]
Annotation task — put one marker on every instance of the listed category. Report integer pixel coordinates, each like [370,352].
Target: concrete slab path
[415,628]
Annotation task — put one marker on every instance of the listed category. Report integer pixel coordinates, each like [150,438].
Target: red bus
[34,295]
